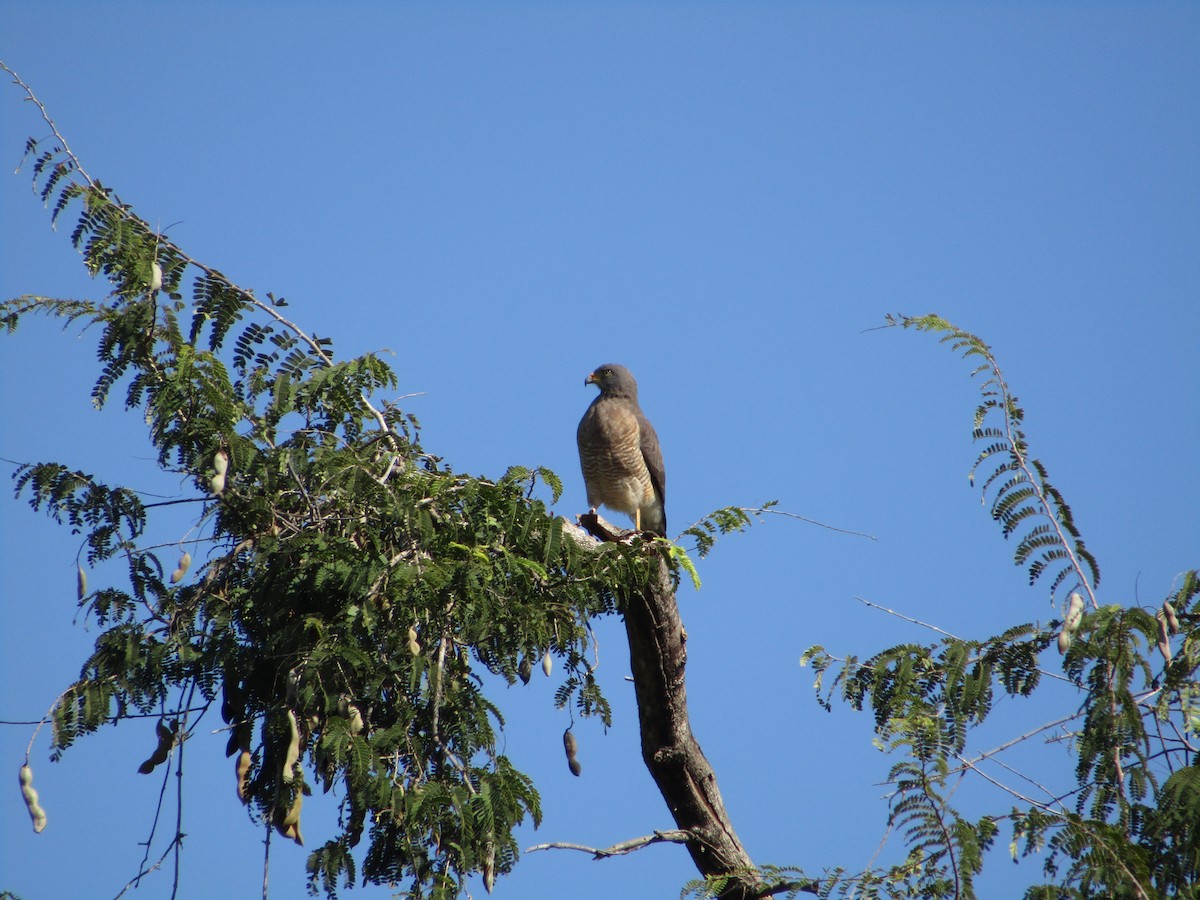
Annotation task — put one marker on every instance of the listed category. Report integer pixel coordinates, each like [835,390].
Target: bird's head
[613,381]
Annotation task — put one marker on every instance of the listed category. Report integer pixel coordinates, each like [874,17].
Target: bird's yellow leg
[637,518]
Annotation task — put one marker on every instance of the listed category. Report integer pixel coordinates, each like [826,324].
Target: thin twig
[1008,790]
[32,98]
[791,515]
[133,882]
[892,612]
[266,858]
[312,343]
[1014,741]
[674,837]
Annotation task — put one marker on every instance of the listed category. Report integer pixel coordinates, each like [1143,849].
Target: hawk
[619,453]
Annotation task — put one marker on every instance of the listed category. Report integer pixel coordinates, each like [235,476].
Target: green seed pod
[156,275]
[81,582]
[547,664]
[217,484]
[220,462]
[414,646]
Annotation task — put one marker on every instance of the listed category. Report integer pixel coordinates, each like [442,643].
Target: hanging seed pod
[220,462]
[489,867]
[1074,612]
[216,484]
[287,822]
[81,582]
[547,664]
[570,745]
[293,749]
[1164,639]
[525,670]
[1064,641]
[166,740]
[185,563]
[356,720]
[414,646]
[30,795]
[1169,614]
[239,738]
[1071,619]
[156,275]
[243,772]
[232,704]
[292,686]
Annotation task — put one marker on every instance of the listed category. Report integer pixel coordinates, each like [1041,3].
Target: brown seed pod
[239,739]
[293,749]
[81,582]
[232,704]
[287,822]
[525,670]
[30,795]
[243,770]
[1169,614]
[572,747]
[547,663]
[1164,639]
[166,740]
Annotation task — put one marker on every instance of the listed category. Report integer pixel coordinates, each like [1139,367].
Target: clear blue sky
[724,197]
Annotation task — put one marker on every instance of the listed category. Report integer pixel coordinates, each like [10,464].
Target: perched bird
[619,452]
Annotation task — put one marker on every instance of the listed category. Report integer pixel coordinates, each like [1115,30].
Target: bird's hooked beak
[591,379]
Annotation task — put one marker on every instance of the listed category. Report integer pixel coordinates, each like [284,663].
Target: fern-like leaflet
[1020,489]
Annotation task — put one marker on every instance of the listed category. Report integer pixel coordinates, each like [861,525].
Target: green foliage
[1130,829]
[346,579]
[727,520]
[356,604]
[775,881]
[1024,501]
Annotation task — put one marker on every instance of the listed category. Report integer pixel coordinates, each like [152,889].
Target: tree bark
[658,658]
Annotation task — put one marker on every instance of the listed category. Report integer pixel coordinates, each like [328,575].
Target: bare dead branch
[629,846]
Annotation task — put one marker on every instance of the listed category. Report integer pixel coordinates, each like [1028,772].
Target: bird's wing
[652,456]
